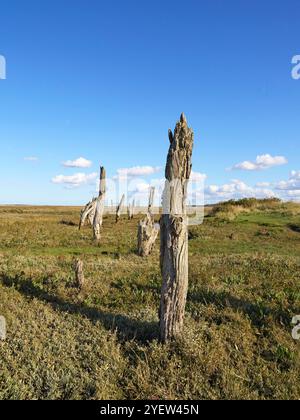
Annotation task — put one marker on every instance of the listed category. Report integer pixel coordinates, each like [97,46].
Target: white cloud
[263,184]
[292,184]
[291,195]
[139,190]
[262,162]
[31,159]
[197,176]
[236,189]
[142,188]
[138,171]
[294,193]
[78,163]
[75,180]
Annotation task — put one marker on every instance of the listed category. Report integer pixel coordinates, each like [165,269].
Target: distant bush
[229,210]
[291,209]
[254,202]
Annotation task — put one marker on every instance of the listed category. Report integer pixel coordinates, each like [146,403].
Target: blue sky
[104,80]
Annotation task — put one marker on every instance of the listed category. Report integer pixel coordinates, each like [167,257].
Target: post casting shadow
[125,327]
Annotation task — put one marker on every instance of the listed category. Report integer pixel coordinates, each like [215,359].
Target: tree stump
[79,275]
[174,232]
[98,218]
[147,230]
[147,235]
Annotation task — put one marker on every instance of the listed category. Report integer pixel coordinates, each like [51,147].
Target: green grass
[101,343]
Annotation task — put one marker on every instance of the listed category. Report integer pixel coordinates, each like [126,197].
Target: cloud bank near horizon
[138,178]
[262,162]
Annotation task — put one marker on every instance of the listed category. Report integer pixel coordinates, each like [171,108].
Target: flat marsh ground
[101,343]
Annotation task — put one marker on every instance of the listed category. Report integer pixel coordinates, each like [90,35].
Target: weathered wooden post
[79,275]
[174,232]
[99,211]
[2,328]
[130,210]
[119,208]
[147,235]
[88,213]
[147,230]
[91,215]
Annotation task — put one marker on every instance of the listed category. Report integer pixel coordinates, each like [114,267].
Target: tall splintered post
[99,211]
[174,232]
